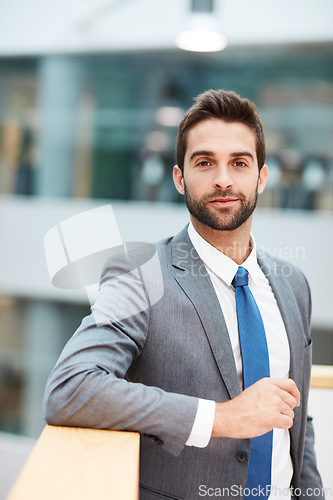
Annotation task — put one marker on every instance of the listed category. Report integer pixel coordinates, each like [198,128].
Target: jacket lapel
[192,276]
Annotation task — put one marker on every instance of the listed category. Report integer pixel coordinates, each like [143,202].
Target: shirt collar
[219,263]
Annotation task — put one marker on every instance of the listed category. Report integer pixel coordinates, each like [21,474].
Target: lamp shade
[201,34]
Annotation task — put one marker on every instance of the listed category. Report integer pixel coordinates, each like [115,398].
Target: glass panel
[126,109]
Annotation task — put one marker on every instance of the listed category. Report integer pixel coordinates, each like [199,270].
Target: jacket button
[241,456]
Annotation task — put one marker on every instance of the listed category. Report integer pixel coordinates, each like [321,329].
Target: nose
[222,179]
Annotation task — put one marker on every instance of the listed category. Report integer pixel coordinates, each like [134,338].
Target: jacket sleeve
[88,386]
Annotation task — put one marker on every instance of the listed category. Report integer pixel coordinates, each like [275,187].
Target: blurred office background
[91,93]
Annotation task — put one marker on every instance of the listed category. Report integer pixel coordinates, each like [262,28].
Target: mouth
[223,202]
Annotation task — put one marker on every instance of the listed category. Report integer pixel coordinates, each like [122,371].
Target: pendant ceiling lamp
[201,32]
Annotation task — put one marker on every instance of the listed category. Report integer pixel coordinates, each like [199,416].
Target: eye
[203,163]
[240,163]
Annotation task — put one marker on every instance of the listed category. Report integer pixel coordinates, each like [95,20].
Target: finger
[288,385]
[287,411]
[285,422]
[288,399]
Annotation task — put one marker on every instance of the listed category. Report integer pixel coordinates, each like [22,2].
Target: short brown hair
[224,105]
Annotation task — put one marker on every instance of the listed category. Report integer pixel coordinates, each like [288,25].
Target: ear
[178,179]
[262,179]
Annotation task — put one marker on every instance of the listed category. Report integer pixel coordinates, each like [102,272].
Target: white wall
[305,238]
[43,27]
[14,451]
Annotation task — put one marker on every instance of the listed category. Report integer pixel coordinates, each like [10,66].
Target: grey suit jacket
[155,342]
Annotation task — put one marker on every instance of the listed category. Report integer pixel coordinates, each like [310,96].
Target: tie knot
[241,277]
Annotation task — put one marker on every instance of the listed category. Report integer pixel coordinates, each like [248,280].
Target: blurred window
[128,108]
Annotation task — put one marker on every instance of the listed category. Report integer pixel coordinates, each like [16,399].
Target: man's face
[221,179]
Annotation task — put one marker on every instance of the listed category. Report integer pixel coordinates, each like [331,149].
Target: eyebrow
[236,154]
[201,153]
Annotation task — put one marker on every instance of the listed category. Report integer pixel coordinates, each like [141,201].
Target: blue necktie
[255,360]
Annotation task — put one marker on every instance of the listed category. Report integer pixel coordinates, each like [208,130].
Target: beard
[223,218]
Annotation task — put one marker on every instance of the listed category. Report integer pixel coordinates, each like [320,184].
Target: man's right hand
[267,404]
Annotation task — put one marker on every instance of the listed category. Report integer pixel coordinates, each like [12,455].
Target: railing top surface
[322,376]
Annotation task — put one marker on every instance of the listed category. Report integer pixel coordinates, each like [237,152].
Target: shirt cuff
[203,424]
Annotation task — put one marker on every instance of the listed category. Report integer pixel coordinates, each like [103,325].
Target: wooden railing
[322,376]
[80,464]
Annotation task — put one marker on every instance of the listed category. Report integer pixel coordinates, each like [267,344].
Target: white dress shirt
[222,270]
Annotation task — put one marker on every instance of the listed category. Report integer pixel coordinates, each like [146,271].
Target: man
[163,352]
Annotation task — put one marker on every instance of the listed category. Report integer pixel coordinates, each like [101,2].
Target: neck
[236,245]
